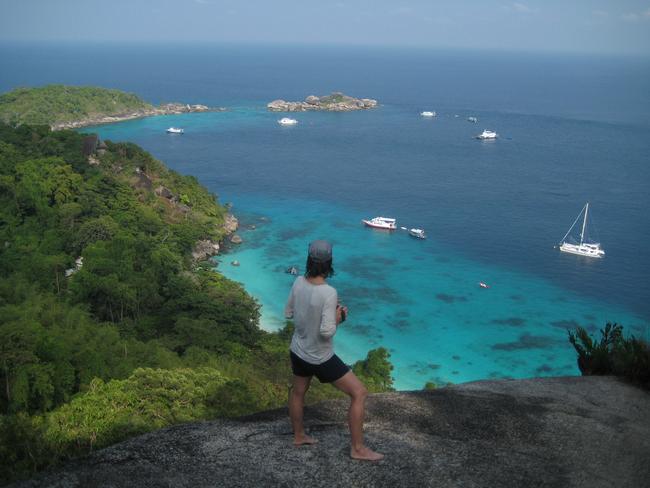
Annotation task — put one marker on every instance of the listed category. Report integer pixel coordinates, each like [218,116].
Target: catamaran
[589,249]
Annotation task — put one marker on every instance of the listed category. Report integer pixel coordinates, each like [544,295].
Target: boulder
[205,249]
[312,100]
[236,239]
[164,192]
[230,223]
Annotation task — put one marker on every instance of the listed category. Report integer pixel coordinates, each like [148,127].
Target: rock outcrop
[230,224]
[164,109]
[336,102]
[205,249]
[553,432]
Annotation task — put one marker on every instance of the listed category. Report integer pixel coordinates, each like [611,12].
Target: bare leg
[296,404]
[351,385]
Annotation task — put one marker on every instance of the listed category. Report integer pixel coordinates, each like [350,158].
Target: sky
[588,26]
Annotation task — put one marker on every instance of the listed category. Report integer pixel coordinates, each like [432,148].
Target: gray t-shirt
[313,308]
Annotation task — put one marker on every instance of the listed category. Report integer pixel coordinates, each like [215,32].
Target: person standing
[313,306]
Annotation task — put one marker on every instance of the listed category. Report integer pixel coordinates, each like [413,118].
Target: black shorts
[327,372]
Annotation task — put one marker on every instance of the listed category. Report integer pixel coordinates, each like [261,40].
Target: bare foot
[304,440]
[365,454]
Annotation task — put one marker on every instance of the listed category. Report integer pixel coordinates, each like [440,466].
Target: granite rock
[552,432]
[336,102]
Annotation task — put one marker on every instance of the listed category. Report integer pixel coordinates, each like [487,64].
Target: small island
[336,102]
[71,107]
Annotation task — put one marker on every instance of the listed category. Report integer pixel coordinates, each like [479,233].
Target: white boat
[589,249]
[287,121]
[474,120]
[487,135]
[419,233]
[426,113]
[381,223]
[174,130]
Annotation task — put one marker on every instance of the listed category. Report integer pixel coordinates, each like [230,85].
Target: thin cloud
[636,16]
[524,9]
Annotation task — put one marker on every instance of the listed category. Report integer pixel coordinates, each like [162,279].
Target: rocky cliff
[552,432]
[336,102]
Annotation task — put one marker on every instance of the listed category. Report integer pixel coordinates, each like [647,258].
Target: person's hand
[341,314]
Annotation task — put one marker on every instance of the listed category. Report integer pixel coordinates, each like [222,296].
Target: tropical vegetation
[613,354]
[108,326]
[53,104]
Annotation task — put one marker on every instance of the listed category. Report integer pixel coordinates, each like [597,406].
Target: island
[71,107]
[336,102]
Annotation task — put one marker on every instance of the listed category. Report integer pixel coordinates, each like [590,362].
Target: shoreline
[165,109]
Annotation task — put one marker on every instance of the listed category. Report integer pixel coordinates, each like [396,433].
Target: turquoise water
[572,130]
[419,299]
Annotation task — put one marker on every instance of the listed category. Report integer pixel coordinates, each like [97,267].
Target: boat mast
[584,223]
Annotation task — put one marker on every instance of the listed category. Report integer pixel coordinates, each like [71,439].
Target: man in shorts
[314,307]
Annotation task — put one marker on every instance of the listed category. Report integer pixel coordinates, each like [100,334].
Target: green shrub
[612,354]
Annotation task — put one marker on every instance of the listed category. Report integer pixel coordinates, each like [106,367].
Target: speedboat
[426,113]
[483,285]
[487,135]
[174,130]
[472,119]
[419,233]
[381,223]
[287,121]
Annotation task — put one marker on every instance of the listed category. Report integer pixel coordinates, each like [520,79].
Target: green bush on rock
[613,354]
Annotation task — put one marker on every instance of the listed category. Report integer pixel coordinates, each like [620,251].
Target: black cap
[320,251]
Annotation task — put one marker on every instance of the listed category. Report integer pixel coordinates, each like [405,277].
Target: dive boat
[583,248]
[381,223]
[427,113]
[419,233]
[487,135]
[174,130]
[287,121]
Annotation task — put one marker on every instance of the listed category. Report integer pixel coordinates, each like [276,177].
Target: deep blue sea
[572,129]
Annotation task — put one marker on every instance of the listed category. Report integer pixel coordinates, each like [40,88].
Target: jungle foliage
[135,337]
[60,103]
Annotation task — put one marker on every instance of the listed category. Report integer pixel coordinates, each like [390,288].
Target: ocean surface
[572,129]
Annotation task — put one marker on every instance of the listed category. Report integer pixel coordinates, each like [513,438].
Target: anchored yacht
[381,223]
[287,121]
[583,248]
[487,135]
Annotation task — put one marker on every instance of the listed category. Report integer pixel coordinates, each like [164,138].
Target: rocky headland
[164,109]
[544,432]
[336,102]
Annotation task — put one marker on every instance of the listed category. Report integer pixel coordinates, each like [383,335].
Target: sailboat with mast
[584,248]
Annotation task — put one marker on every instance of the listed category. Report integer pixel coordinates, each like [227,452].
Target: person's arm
[288,308]
[328,318]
